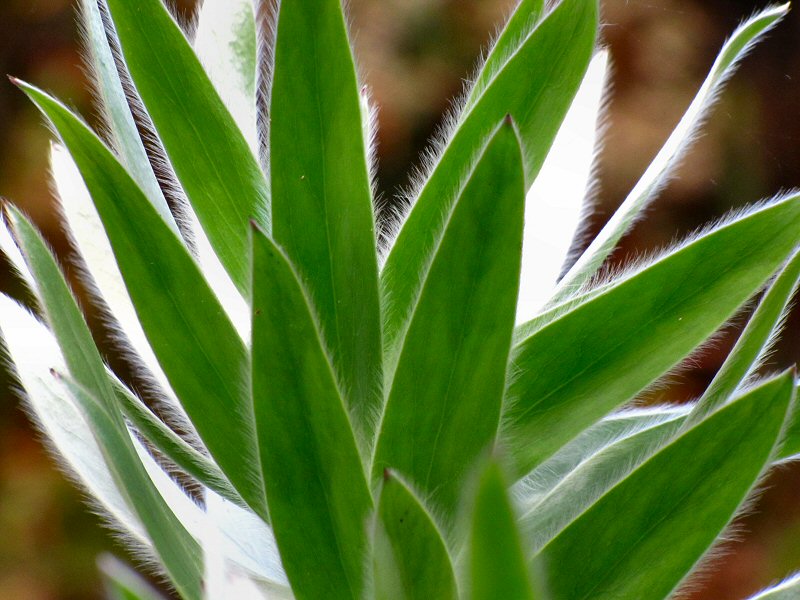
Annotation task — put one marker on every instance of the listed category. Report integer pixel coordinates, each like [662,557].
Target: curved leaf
[315,483]
[681,500]
[551,62]
[175,306]
[95,398]
[322,203]
[409,556]
[214,163]
[659,169]
[444,400]
[641,325]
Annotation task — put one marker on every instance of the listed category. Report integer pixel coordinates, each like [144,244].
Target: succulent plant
[433,400]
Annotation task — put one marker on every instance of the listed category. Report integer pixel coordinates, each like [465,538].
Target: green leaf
[173,446]
[94,394]
[679,500]
[175,306]
[123,583]
[659,169]
[535,86]
[497,566]
[752,344]
[607,432]
[410,558]
[787,590]
[444,400]
[322,203]
[548,511]
[117,112]
[225,43]
[316,486]
[214,163]
[642,326]
[519,25]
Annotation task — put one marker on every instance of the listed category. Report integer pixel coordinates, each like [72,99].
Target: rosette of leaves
[324,400]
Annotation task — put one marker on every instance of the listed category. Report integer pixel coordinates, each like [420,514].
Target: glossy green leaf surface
[214,163]
[497,566]
[322,203]
[93,393]
[536,87]
[681,500]
[409,557]
[444,400]
[315,483]
[662,165]
[176,307]
[761,329]
[642,326]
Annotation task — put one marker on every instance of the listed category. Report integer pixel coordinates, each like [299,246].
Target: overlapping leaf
[641,326]
[176,307]
[214,163]
[409,557]
[315,482]
[551,63]
[444,399]
[680,500]
[322,203]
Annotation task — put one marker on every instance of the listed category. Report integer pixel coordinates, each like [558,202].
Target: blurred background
[415,54]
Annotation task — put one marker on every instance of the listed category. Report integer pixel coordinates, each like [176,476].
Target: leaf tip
[387,475]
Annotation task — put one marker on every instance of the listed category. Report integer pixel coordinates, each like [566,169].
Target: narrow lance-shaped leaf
[752,343]
[659,169]
[681,500]
[315,483]
[496,566]
[568,372]
[114,104]
[445,396]
[522,21]
[124,137]
[86,231]
[95,397]
[214,163]
[409,557]
[173,446]
[322,203]
[607,432]
[535,86]
[551,511]
[174,304]
[225,43]
[34,352]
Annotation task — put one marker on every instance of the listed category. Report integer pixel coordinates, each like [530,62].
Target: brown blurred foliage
[415,55]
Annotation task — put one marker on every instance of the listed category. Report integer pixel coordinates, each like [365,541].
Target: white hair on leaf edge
[34,352]
[217,43]
[555,203]
[87,231]
[659,171]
